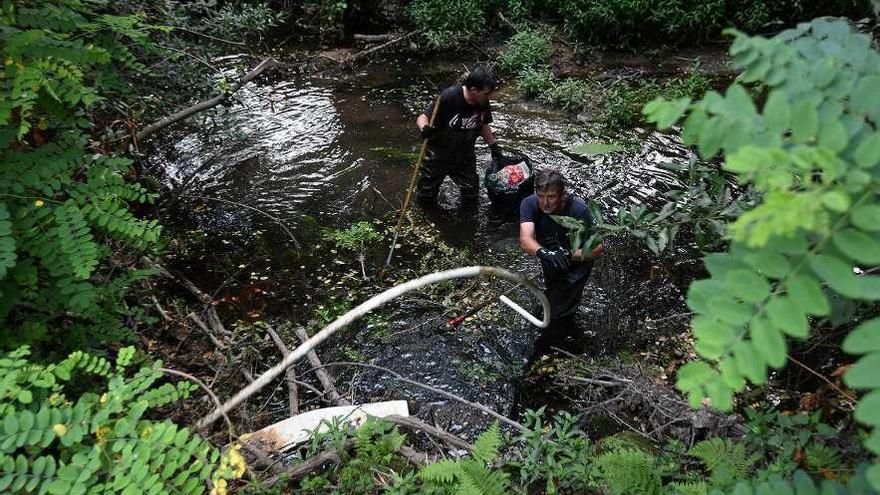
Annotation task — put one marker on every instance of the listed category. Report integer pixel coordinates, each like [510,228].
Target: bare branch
[323,376]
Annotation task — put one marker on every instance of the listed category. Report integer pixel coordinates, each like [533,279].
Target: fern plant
[812,154]
[630,472]
[471,476]
[725,459]
[54,441]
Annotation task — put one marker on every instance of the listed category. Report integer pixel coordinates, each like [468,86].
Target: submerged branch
[204,105]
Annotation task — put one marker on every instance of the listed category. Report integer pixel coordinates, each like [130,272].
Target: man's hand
[597,251]
[427,131]
[495,149]
[556,259]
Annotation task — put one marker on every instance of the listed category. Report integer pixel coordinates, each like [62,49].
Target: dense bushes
[448,23]
[62,206]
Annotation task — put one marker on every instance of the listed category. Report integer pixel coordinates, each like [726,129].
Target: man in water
[565,273]
[463,115]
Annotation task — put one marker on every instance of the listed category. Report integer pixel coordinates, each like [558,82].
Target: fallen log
[204,105]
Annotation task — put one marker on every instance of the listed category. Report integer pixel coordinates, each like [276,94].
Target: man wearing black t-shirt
[463,115]
[565,274]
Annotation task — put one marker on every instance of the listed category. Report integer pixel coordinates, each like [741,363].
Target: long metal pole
[412,184]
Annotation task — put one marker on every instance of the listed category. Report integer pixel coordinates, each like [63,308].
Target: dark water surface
[342,150]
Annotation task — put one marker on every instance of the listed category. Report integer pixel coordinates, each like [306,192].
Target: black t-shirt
[458,125]
[548,233]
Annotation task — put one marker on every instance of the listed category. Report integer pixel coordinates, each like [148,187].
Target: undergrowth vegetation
[558,457]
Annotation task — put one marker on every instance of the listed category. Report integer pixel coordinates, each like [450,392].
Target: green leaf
[738,103]
[807,294]
[866,217]
[665,113]
[693,375]
[864,338]
[835,200]
[785,315]
[833,135]
[769,342]
[836,273]
[868,409]
[872,474]
[864,374]
[7,242]
[747,285]
[711,136]
[777,112]
[861,247]
[750,362]
[867,155]
[805,121]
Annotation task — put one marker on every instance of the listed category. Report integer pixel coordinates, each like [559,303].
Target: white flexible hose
[364,308]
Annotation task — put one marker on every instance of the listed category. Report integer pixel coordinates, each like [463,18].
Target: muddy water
[330,152]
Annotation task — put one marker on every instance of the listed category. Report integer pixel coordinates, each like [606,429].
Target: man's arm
[527,240]
[488,137]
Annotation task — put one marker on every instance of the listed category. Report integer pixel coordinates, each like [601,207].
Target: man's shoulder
[527,208]
[578,206]
[453,92]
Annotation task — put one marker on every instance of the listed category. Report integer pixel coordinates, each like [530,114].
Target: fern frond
[725,459]
[486,446]
[486,482]
[820,456]
[630,472]
[443,471]
[688,488]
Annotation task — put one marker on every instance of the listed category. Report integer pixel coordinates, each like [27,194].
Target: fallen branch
[364,308]
[415,457]
[201,324]
[204,105]
[311,464]
[363,54]
[211,315]
[289,373]
[323,376]
[373,38]
[417,424]
[207,390]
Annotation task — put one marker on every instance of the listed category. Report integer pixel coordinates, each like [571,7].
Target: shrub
[63,207]
[448,23]
[527,49]
[623,102]
[625,21]
[812,154]
[534,82]
[570,94]
[55,440]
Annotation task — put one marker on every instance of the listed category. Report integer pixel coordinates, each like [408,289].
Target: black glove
[556,259]
[427,131]
[495,149]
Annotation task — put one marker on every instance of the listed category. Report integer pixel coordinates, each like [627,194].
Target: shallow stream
[318,151]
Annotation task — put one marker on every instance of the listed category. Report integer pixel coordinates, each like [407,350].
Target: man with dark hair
[565,273]
[463,115]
